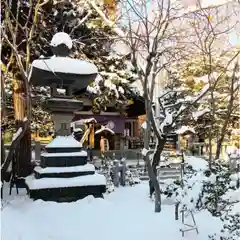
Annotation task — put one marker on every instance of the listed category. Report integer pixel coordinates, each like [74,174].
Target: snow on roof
[65,65]
[185,129]
[89,120]
[61,38]
[144,125]
[199,113]
[64,142]
[65,100]
[84,168]
[44,183]
[103,128]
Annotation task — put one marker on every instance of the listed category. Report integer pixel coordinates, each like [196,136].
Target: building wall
[117,124]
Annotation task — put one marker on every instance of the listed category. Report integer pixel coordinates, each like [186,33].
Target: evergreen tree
[27,31]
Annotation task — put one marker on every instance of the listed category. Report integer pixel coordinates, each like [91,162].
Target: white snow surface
[65,65]
[64,142]
[43,183]
[130,207]
[126,213]
[196,162]
[184,129]
[61,38]
[65,154]
[85,168]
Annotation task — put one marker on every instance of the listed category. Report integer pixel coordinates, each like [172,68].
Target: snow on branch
[200,113]
[145,152]
[16,135]
[61,38]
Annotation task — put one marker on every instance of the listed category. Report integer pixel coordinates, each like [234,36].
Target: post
[123,172]
[116,173]
[37,150]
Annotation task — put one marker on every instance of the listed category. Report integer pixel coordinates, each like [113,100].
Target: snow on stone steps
[66,154]
[44,183]
[64,142]
[85,168]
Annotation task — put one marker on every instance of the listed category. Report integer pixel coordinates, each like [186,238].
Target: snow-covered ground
[126,214]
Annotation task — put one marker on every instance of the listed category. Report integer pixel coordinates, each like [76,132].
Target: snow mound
[61,38]
[64,142]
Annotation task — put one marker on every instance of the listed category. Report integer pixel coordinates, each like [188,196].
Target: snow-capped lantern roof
[60,68]
[64,142]
[61,38]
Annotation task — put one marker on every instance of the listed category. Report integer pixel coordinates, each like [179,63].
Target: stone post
[37,150]
[116,173]
[199,150]
[123,172]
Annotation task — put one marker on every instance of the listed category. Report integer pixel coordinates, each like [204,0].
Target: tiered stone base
[64,189]
[68,194]
[64,174]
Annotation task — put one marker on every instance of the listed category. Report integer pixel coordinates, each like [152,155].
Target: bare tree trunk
[157,155]
[2,149]
[229,112]
[210,148]
[220,141]
[23,150]
[152,175]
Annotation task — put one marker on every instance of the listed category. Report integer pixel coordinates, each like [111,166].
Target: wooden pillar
[91,135]
[18,100]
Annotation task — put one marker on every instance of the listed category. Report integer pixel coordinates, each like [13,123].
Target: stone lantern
[63,173]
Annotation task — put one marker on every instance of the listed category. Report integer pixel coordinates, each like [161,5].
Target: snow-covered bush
[132,177]
[215,186]
[106,170]
[212,189]
[184,192]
